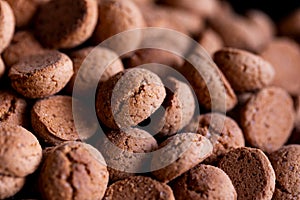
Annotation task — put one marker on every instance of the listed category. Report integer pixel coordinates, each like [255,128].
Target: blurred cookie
[7,24]
[250,172]
[211,41]
[77,21]
[260,122]
[41,75]
[286,163]
[290,25]
[204,182]
[178,154]
[138,188]
[244,70]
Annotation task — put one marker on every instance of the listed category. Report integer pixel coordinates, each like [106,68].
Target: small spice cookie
[7,24]
[244,70]
[53,120]
[20,151]
[129,98]
[223,132]
[211,41]
[92,62]
[23,44]
[178,154]
[9,185]
[41,75]
[210,85]
[204,182]
[121,151]
[73,170]
[260,122]
[250,172]
[76,22]
[13,109]
[284,55]
[138,188]
[286,163]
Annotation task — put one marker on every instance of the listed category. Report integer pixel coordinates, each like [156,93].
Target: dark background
[277,9]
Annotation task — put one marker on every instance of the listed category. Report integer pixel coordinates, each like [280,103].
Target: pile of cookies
[230,132]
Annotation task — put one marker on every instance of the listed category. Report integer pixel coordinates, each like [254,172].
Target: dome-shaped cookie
[7,24]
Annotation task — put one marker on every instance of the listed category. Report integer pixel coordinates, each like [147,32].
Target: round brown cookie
[178,154]
[7,24]
[20,151]
[179,106]
[2,67]
[129,98]
[13,109]
[138,188]
[53,120]
[77,21]
[209,84]
[73,170]
[290,25]
[9,186]
[284,55]
[23,44]
[147,56]
[204,182]
[244,70]
[250,172]
[260,122]
[24,10]
[121,151]
[223,132]
[211,41]
[91,61]
[286,163]
[41,75]
[116,16]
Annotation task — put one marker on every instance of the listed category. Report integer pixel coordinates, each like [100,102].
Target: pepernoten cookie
[223,132]
[211,41]
[286,163]
[178,154]
[7,24]
[244,70]
[124,151]
[41,75]
[204,182]
[129,98]
[13,109]
[53,120]
[260,122]
[76,21]
[138,188]
[250,172]
[73,170]
[2,67]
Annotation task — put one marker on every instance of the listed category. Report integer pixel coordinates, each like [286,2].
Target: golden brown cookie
[223,132]
[286,164]
[13,109]
[129,98]
[138,188]
[204,182]
[116,16]
[66,23]
[178,154]
[73,170]
[41,75]
[9,185]
[209,84]
[284,55]
[244,70]
[20,151]
[92,60]
[129,143]
[53,120]
[211,41]
[7,24]
[260,121]
[23,44]
[250,172]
